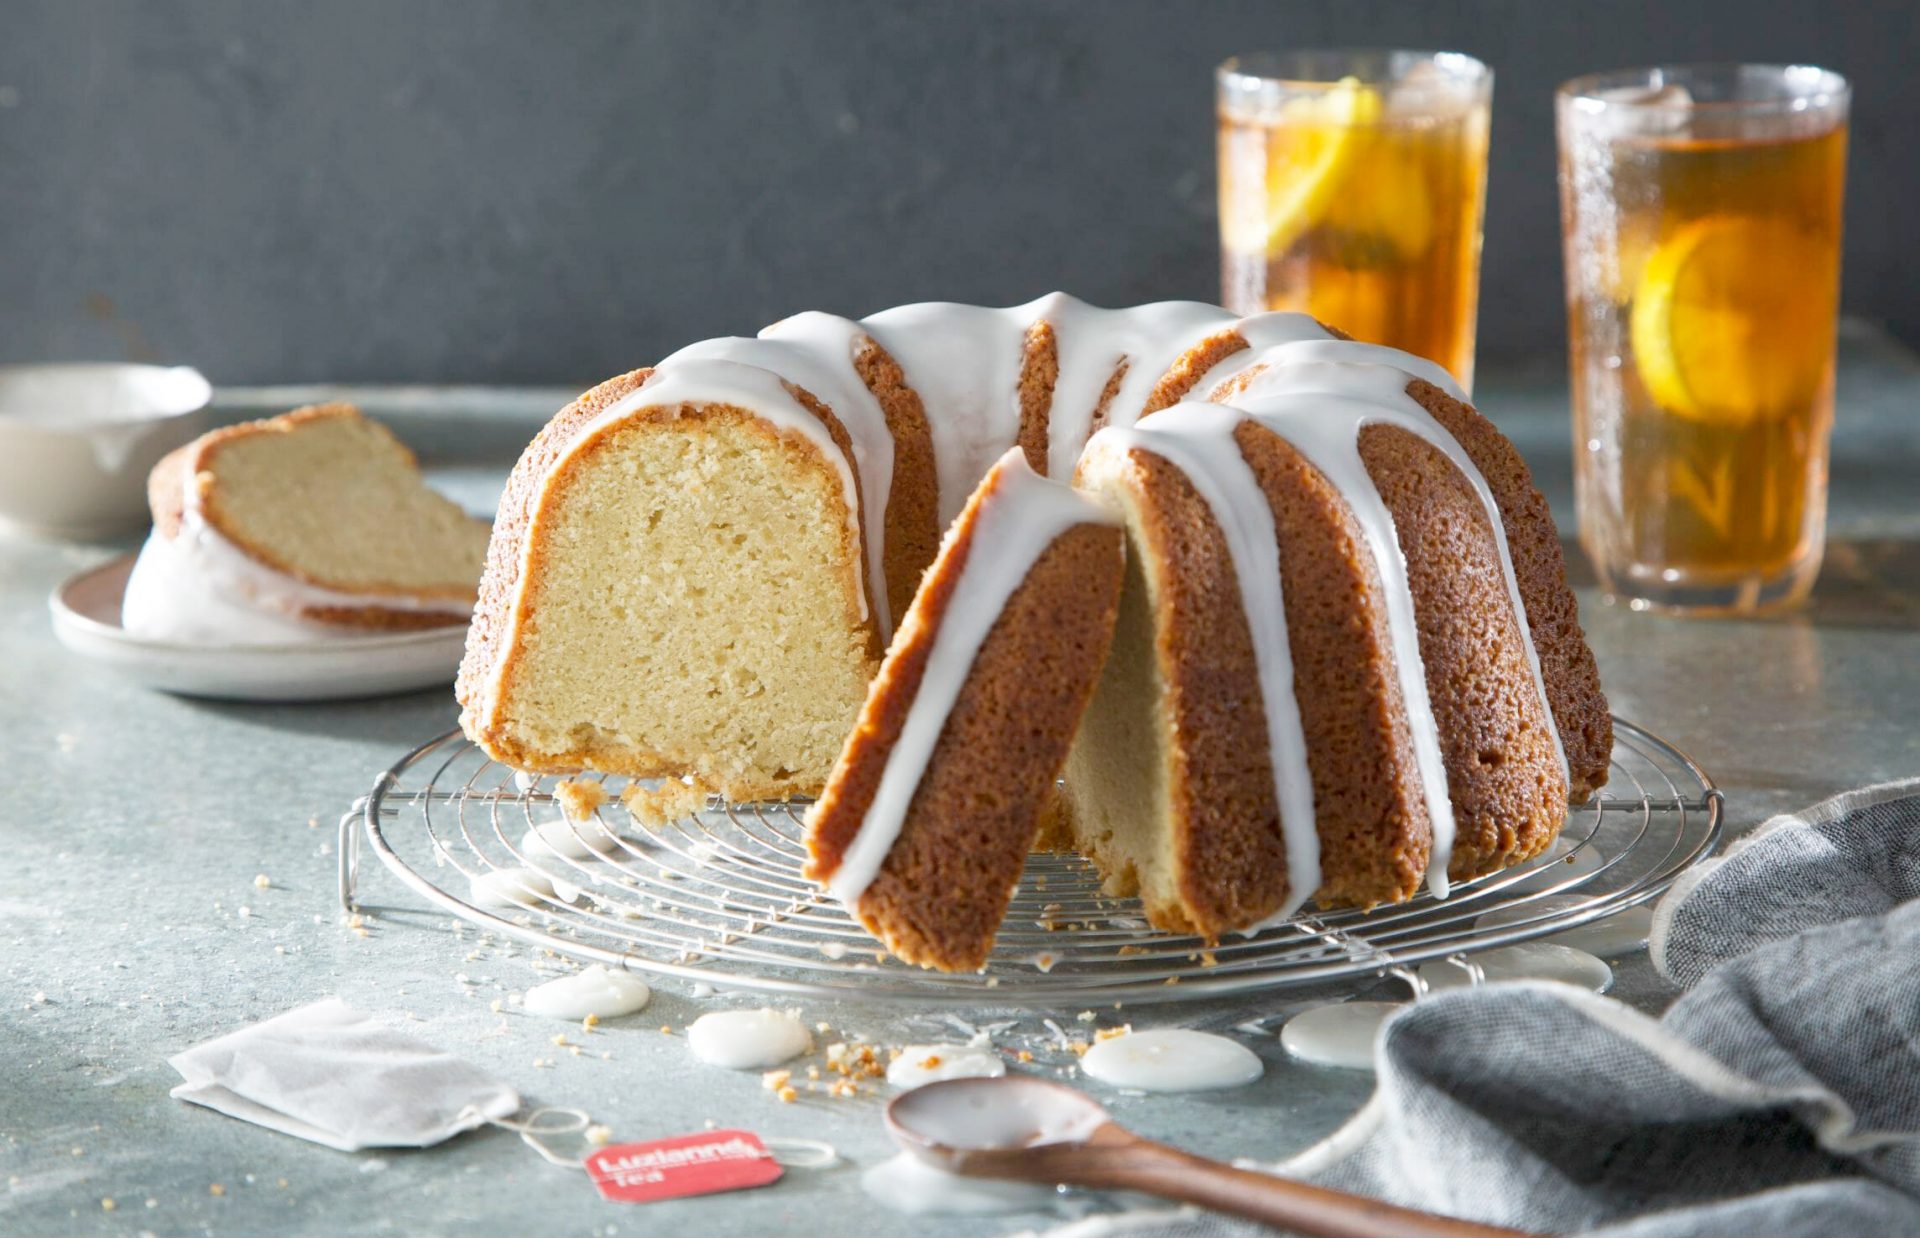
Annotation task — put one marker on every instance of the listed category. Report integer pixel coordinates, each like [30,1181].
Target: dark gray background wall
[551,192]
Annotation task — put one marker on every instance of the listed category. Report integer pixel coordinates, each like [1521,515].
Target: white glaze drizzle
[814,352]
[1018,519]
[964,362]
[1198,440]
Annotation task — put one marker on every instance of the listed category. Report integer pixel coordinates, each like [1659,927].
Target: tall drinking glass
[1351,188]
[1700,209]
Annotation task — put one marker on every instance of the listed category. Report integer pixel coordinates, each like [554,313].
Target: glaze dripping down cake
[1344,660]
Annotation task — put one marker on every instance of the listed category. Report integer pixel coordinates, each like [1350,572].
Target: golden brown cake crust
[1540,569]
[166,497]
[1039,371]
[1179,380]
[1039,376]
[943,889]
[1103,410]
[913,508]
[1509,797]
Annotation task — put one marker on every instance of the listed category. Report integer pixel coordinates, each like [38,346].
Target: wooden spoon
[1034,1130]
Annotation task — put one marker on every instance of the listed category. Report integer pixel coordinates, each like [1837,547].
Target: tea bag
[327,1073]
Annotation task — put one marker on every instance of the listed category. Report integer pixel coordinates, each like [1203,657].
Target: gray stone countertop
[135,824]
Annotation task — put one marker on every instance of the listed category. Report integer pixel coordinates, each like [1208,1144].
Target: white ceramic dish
[77,442]
[86,618]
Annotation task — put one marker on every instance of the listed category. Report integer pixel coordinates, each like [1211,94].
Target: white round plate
[86,618]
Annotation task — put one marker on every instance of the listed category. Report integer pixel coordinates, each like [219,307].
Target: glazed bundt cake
[1344,655]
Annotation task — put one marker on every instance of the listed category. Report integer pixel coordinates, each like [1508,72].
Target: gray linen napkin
[1780,1095]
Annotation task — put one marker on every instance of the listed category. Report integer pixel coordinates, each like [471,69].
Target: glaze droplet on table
[748,1039]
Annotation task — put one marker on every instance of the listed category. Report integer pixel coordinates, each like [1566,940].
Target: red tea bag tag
[638,1173]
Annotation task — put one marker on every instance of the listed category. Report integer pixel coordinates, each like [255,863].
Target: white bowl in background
[78,440]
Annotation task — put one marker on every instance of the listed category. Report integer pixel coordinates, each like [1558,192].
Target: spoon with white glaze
[1034,1130]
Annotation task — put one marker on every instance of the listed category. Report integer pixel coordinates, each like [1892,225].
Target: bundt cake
[1344,659]
[939,792]
[311,524]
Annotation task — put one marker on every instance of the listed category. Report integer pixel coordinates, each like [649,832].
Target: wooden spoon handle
[1142,1165]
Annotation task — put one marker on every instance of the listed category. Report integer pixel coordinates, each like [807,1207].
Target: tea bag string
[557,1120]
[536,1125]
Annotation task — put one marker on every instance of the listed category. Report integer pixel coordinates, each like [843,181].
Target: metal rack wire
[717,896]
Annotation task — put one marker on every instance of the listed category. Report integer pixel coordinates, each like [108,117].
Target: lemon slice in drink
[1732,319]
[1386,216]
[1325,135]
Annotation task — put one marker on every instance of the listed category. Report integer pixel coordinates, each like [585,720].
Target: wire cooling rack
[717,896]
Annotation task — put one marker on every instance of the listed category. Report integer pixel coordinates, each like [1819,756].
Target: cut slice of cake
[942,788]
[310,524]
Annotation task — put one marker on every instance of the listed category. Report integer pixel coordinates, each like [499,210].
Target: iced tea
[1351,188]
[1701,216]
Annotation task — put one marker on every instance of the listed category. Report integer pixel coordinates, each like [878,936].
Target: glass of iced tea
[1351,188]
[1700,209]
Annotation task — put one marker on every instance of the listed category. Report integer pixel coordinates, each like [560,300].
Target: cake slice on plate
[304,526]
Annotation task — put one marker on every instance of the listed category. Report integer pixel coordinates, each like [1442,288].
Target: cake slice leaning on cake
[940,792]
[301,527]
